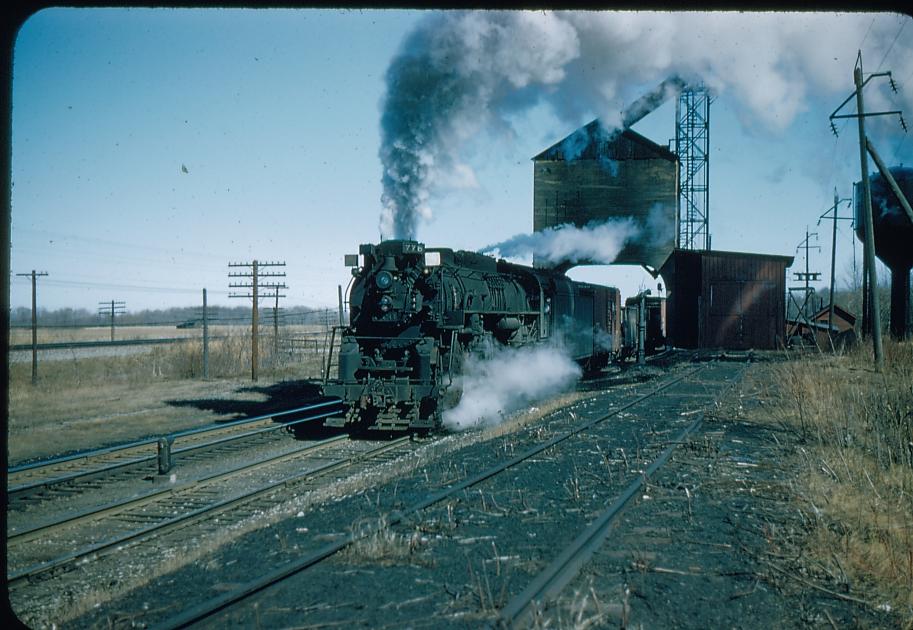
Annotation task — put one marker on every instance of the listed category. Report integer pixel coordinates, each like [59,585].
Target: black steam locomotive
[417,313]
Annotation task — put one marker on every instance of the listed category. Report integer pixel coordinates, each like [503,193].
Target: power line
[869,30]
[903,23]
[64,239]
[126,287]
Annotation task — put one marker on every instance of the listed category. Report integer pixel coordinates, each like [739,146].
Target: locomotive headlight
[383,280]
[385,304]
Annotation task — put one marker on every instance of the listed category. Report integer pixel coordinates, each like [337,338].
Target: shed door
[742,314]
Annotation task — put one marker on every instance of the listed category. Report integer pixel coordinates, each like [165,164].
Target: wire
[902,25]
[125,287]
[867,34]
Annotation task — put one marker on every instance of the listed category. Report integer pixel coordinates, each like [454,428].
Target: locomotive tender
[417,313]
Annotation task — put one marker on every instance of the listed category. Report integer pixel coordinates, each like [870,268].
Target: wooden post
[254,326]
[276,331]
[205,338]
[869,248]
[830,309]
[34,330]
[34,275]
[255,296]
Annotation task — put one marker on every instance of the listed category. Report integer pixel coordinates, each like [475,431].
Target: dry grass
[82,398]
[374,542]
[229,357]
[855,428]
[103,333]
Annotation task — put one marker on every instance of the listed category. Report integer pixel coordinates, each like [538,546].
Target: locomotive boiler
[417,313]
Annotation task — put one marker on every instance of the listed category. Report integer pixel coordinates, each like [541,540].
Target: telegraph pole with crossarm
[34,275]
[254,285]
[112,308]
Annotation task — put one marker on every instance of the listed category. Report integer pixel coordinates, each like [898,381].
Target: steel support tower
[692,145]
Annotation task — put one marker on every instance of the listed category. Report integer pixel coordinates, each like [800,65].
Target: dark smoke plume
[461,73]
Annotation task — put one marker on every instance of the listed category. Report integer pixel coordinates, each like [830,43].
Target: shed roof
[839,311]
[593,141]
[786,260]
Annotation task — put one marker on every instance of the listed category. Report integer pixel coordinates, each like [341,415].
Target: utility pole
[276,329]
[34,275]
[869,223]
[255,285]
[112,308]
[837,201]
[205,338]
[870,312]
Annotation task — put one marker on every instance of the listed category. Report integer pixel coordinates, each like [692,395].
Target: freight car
[643,325]
[417,313]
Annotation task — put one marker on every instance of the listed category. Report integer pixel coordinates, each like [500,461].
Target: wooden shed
[732,300]
[594,175]
[844,326]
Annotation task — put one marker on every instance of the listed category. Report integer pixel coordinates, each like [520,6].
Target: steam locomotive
[417,313]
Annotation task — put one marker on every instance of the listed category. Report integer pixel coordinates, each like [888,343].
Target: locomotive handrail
[387,368]
[329,355]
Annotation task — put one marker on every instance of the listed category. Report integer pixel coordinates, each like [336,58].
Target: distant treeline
[22,316]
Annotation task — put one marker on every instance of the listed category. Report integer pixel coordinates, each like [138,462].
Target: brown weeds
[855,427]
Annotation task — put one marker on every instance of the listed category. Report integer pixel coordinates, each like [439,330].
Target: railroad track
[542,587]
[84,472]
[161,513]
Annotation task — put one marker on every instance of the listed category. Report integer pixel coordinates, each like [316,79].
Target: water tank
[893,239]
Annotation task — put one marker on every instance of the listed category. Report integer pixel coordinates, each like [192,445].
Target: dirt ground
[713,541]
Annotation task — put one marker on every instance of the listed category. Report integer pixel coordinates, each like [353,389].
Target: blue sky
[275,116]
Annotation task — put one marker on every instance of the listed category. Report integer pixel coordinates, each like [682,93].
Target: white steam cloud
[594,242]
[506,379]
[460,73]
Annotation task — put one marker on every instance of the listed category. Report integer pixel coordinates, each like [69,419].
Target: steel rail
[548,584]
[113,508]
[15,491]
[216,604]
[193,516]
[153,440]
[565,567]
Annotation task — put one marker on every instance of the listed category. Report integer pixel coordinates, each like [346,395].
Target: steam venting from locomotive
[595,243]
[507,379]
[461,73]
